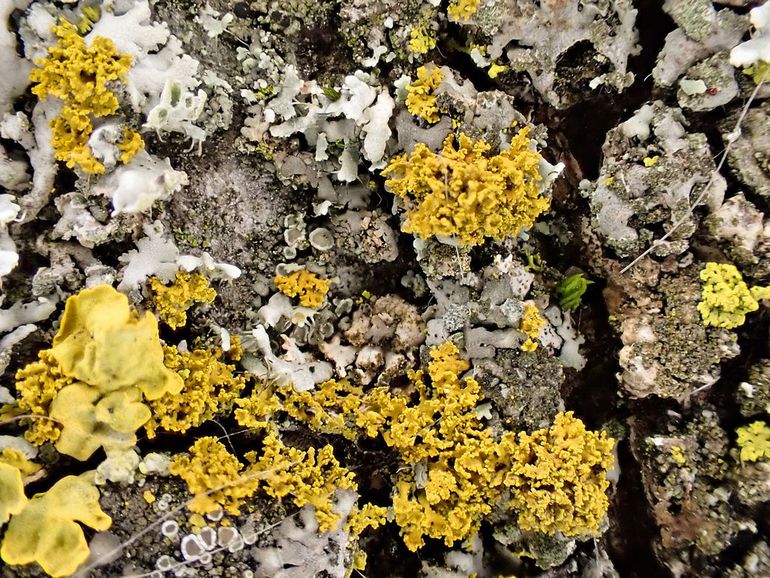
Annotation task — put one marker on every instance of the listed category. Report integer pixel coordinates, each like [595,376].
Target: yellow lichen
[105,360]
[367,516]
[172,302]
[16,459]
[310,477]
[37,384]
[725,298]
[759,71]
[558,478]
[462,10]
[465,193]
[651,161]
[754,441]
[531,324]
[210,388]
[216,478]
[12,497]
[46,530]
[255,411]
[308,287]
[420,41]
[326,409]
[495,70]
[455,469]
[80,76]
[420,100]
[131,144]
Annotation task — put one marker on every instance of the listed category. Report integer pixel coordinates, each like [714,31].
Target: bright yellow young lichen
[308,287]
[754,441]
[725,298]
[172,302]
[462,10]
[465,193]
[80,76]
[531,324]
[420,41]
[420,100]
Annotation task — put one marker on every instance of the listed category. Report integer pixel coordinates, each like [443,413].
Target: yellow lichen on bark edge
[466,194]
[725,297]
[754,441]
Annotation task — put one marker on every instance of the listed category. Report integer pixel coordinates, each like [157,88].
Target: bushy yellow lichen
[37,384]
[308,287]
[754,441]
[326,409]
[558,478]
[531,325]
[131,144]
[210,388]
[462,10]
[725,298]
[464,193]
[256,411]
[172,302]
[309,477]
[464,471]
[420,100]
[46,530]
[420,41]
[216,478]
[80,76]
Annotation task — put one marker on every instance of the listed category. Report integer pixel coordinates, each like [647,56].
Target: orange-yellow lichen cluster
[464,193]
[558,478]
[172,302]
[210,388]
[464,469]
[216,478]
[80,75]
[308,287]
